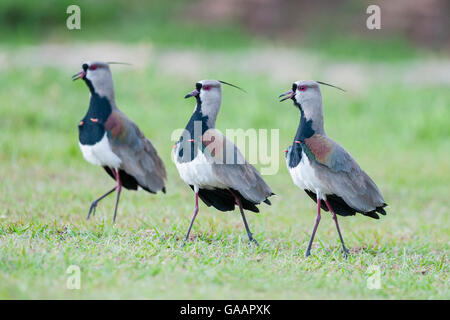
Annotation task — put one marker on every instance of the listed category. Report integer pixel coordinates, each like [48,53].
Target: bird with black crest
[108,138]
[212,165]
[324,169]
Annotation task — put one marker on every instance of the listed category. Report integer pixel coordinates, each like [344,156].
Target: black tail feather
[128,181]
[223,200]
[371,214]
[341,208]
[267,200]
[381,210]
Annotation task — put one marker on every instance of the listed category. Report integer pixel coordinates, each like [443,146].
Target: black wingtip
[164,189]
[371,214]
[381,210]
[268,202]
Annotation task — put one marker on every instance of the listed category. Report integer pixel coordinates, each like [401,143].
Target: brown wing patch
[214,145]
[114,125]
[220,149]
[320,147]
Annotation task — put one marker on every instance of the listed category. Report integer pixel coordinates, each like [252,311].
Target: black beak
[287,95]
[79,75]
[193,93]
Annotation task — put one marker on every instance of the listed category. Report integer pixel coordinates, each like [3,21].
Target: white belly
[101,154]
[304,177]
[198,172]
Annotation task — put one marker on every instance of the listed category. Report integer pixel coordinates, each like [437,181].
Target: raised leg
[95,202]
[346,252]
[308,250]
[249,233]
[193,217]
[119,189]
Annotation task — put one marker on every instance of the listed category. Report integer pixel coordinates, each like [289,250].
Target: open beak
[193,93]
[287,95]
[79,75]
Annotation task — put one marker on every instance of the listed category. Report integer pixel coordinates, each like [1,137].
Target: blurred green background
[334,28]
[394,119]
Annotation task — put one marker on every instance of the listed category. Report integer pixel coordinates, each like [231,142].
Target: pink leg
[249,233]
[308,250]
[95,202]
[346,252]
[193,218]
[119,189]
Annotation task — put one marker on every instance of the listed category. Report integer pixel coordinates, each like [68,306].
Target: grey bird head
[308,98]
[208,94]
[209,98]
[98,78]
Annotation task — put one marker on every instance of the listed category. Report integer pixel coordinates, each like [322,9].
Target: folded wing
[233,170]
[139,158]
[341,174]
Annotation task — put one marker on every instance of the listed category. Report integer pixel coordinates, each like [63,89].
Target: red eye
[93,67]
[302,88]
[206,87]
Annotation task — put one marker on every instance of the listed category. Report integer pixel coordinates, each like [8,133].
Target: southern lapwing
[212,165]
[109,139]
[324,169]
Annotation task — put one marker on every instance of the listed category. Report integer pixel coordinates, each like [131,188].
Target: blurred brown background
[230,23]
[424,22]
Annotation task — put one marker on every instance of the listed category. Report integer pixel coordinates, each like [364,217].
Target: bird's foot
[92,210]
[185,241]
[346,253]
[307,253]
[251,239]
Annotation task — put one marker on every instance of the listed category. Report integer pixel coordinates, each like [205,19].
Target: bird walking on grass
[324,169]
[109,139]
[212,165]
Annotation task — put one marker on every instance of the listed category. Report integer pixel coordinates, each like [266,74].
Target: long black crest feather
[232,85]
[330,85]
[115,62]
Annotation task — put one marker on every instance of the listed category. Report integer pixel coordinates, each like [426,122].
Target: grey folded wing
[342,175]
[140,158]
[233,170]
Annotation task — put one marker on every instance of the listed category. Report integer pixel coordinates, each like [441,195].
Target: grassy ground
[398,134]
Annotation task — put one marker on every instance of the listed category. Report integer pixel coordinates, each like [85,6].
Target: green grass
[398,134]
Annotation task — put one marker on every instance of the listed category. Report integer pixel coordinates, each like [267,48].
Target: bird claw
[346,253]
[251,239]
[92,210]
